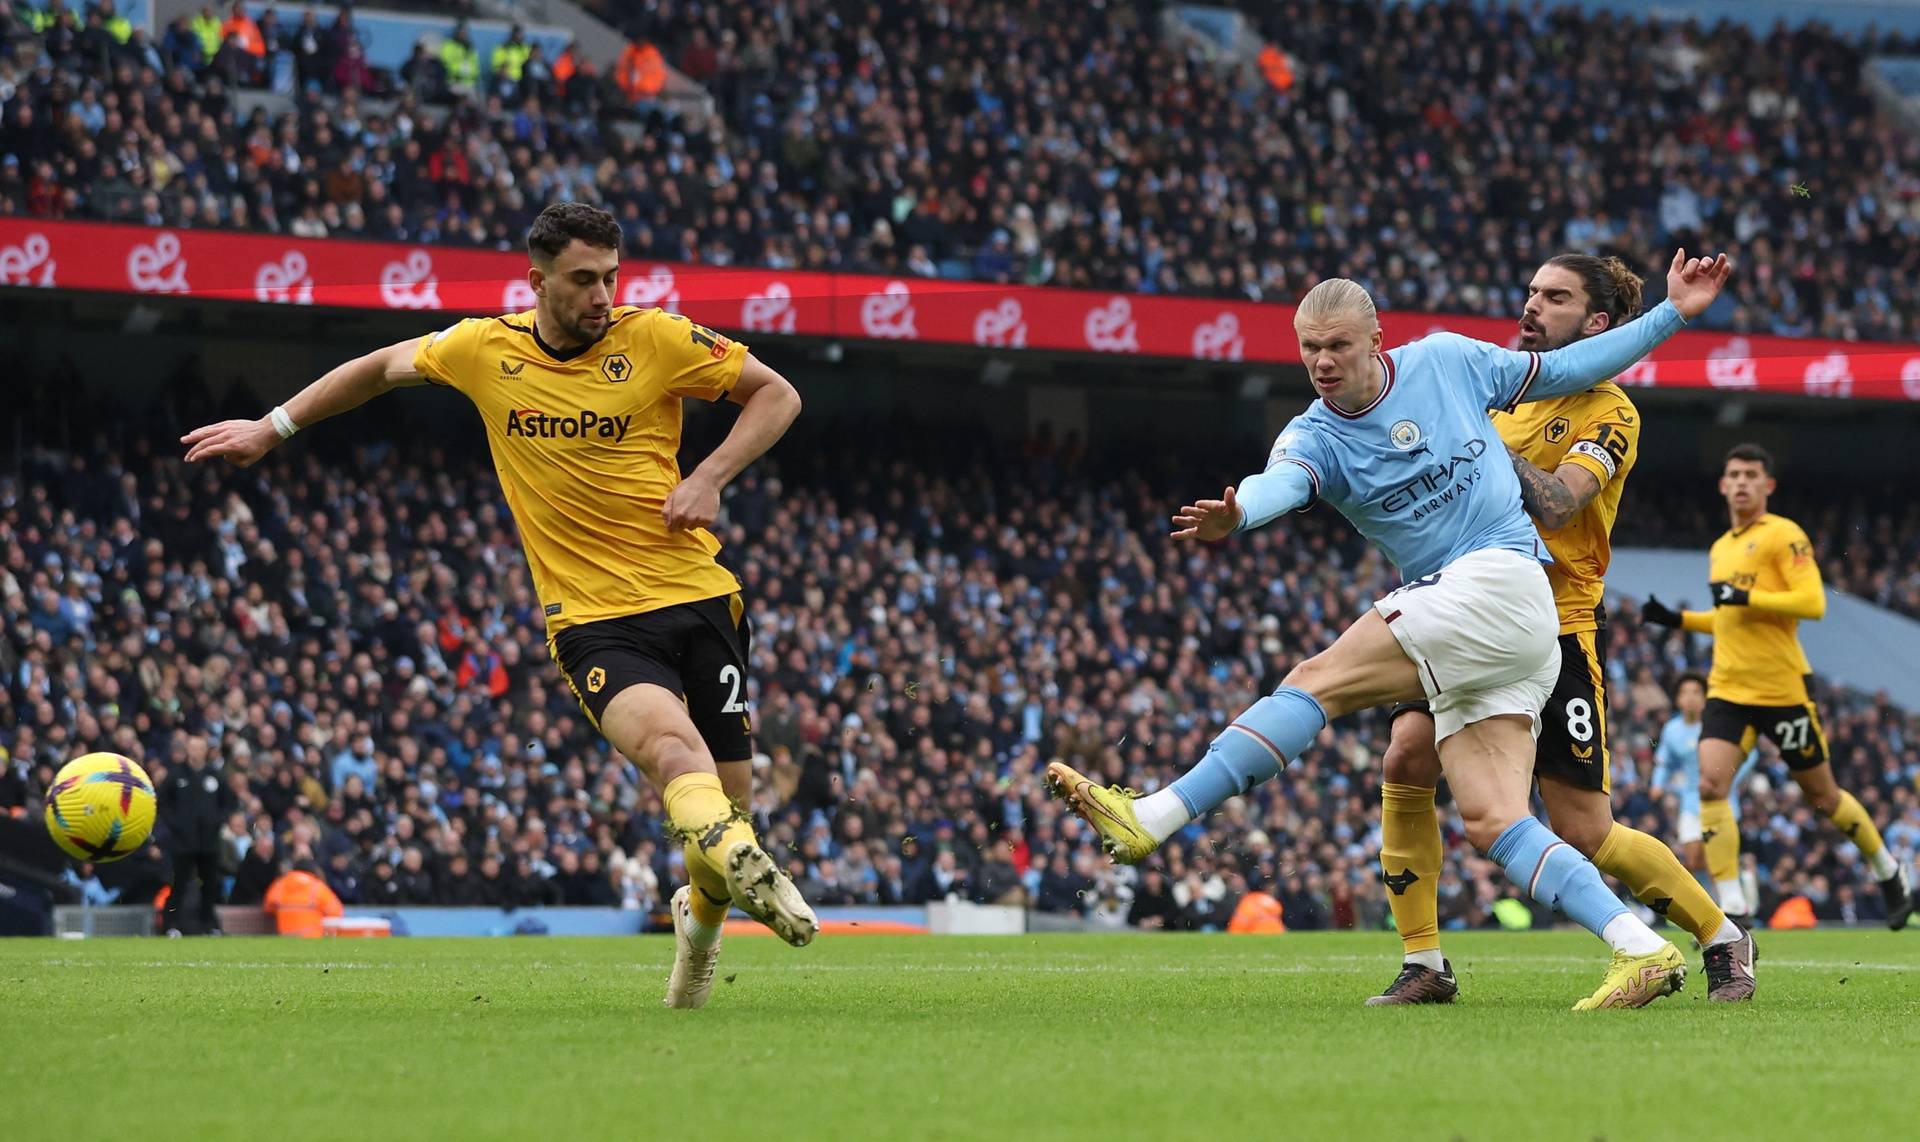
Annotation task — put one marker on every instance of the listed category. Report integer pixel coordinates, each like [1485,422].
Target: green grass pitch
[903,1038]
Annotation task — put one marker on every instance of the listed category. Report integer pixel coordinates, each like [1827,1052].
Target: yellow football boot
[1635,981]
[1109,811]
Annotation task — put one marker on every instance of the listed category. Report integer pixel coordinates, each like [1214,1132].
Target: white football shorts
[1484,633]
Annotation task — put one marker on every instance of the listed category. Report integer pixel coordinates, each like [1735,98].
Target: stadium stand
[358,636]
[905,141]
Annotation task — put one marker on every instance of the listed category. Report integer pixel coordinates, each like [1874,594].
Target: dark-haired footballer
[1572,455]
[1764,580]
[581,401]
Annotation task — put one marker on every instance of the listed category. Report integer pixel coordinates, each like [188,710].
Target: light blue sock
[1554,873]
[1272,732]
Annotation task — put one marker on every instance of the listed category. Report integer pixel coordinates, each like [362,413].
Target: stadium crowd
[355,645]
[1404,146]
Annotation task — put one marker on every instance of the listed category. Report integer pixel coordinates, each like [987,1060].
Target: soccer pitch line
[1322,965]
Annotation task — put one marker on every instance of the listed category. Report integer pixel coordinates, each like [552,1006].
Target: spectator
[945,879]
[1061,888]
[242,32]
[1153,906]
[184,47]
[351,72]
[116,25]
[310,51]
[381,888]
[257,872]
[425,75]
[415,882]
[342,878]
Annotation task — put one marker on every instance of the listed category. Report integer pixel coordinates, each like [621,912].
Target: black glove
[1658,613]
[1725,594]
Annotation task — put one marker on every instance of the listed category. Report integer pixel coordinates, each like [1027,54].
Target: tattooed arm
[1554,498]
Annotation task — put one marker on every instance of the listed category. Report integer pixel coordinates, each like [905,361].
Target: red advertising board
[370,275]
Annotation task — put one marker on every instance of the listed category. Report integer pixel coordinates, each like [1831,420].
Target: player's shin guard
[1554,873]
[1850,817]
[1721,834]
[1410,855]
[1657,879]
[1252,749]
[699,814]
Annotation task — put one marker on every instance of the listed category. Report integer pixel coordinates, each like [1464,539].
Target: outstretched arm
[1258,500]
[1287,486]
[346,386]
[1585,363]
[1692,286]
[768,405]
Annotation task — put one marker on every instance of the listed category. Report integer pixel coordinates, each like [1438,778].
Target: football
[100,807]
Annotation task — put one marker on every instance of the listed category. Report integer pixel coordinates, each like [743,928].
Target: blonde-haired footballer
[582,405]
[1764,580]
[1572,454]
[1400,443]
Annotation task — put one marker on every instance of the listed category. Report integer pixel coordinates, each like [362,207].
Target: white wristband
[282,423]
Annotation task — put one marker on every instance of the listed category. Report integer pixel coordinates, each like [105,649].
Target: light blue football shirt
[1421,471]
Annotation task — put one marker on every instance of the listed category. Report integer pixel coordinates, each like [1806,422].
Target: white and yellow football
[100,807]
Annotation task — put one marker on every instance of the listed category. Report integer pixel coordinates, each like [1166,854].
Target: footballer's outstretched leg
[1253,748]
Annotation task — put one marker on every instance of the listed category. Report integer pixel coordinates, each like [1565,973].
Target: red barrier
[371,275]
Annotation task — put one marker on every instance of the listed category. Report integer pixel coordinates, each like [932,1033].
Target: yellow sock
[1850,817]
[1657,879]
[1410,858]
[699,814]
[710,901]
[1721,833]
